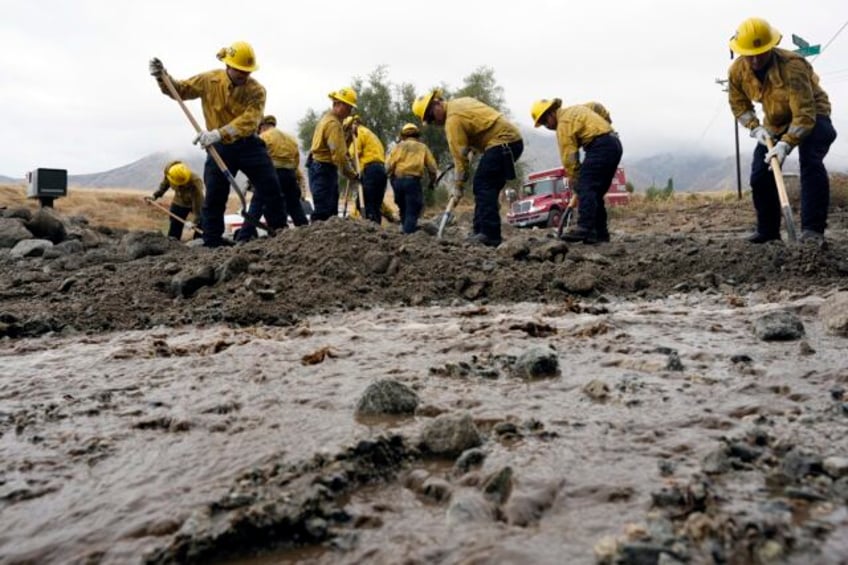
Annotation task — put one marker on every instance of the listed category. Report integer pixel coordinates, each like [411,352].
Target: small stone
[779,326]
[836,467]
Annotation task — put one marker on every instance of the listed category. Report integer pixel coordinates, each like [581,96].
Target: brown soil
[343,264]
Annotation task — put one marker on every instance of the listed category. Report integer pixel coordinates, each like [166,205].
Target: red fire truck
[547,194]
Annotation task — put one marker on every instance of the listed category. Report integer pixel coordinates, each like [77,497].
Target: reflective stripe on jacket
[790,95]
[233,110]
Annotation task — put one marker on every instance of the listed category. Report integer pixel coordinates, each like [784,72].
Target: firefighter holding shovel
[188,197]
[469,126]
[233,103]
[796,114]
[587,126]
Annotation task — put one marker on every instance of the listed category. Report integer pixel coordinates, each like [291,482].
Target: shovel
[215,156]
[781,193]
[447,216]
[152,203]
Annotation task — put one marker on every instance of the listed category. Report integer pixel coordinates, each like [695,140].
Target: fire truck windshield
[540,188]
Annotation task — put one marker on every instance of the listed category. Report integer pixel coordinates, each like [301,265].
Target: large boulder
[46,223]
[12,230]
[30,248]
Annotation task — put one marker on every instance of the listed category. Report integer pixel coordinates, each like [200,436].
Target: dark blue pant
[603,154]
[324,184]
[374,189]
[496,166]
[815,185]
[249,155]
[409,198]
[175,229]
[291,196]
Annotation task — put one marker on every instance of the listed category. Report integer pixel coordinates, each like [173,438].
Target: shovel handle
[157,205]
[781,193]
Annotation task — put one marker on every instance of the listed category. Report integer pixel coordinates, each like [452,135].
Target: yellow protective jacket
[328,144]
[599,109]
[472,125]
[409,158]
[284,152]
[576,127]
[790,95]
[235,111]
[366,147]
[189,195]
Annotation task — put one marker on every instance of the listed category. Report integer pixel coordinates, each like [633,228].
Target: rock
[30,248]
[548,251]
[387,397]
[470,458]
[716,461]
[24,214]
[836,467]
[537,363]
[797,464]
[526,508]
[498,486]
[46,223]
[436,489]
[581,283]
[12,231]
[232,267]
[449,435]
[186,285]
[834,314]
[514,248]
[377,262]
[469,506]
[597,390]
[138,244]
[779,326]
[67,247]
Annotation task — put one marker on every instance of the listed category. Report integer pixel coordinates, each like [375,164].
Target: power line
[826,45]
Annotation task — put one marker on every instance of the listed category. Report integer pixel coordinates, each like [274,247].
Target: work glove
[780,150]
[189,225]
[457,191]
[761,134]
[156,67]
[207,138]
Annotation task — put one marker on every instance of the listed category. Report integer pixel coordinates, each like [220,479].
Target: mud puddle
[165,445]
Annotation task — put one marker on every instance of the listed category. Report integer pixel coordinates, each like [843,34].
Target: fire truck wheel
[554,218]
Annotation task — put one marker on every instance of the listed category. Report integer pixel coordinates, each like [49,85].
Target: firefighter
[405,166]
[188,196]
[233,103]
[587,126]
[796,114]
[469,126]
[368,155]
[328,155]
[286,158]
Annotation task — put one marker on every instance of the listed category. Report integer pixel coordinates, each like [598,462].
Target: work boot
[603,237]
[812,237]
[582,235]
[482,239]
[758,237]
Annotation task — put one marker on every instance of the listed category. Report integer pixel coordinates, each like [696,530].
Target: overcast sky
[77,95]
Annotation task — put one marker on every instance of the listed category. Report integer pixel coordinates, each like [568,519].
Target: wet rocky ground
[344,394]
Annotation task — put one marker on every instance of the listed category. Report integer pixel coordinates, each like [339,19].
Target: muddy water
[110,443]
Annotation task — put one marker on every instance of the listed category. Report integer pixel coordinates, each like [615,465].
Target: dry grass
[115,208]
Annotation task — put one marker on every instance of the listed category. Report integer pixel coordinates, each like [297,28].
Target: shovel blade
[443,223]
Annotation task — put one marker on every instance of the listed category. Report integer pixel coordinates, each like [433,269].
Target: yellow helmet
[754,37]
[269,120]
[239,56]
[541,107]
[409,130]
[420,104]
[178,174]
[345,96]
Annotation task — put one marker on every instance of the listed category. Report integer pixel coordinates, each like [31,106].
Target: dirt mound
[343,264]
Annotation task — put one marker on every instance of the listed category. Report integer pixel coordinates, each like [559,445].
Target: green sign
[809,50]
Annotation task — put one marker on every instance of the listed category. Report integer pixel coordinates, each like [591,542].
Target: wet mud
[628,402]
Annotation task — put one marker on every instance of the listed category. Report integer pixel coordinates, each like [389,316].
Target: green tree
[306,127]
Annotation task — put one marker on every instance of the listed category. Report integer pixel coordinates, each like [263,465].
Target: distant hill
[146,173]
[690,171]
